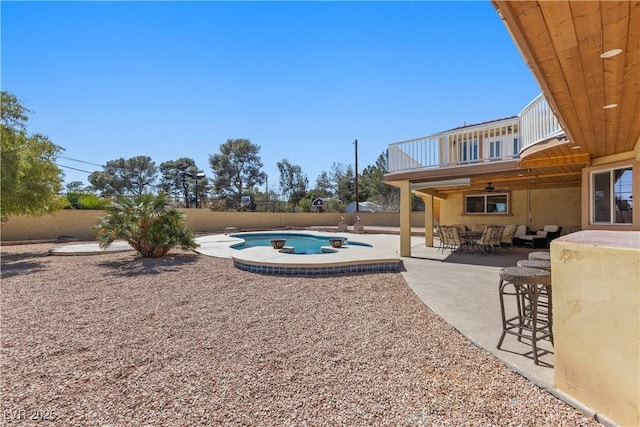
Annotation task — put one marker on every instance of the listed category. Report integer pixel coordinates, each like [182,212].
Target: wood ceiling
[562,41]
[563,176]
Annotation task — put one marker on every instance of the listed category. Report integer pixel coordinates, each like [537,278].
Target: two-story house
[572,158]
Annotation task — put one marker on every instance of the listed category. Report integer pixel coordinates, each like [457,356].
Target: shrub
[305,205]
[91,201]
[148,223]
[81,200]
[73,198]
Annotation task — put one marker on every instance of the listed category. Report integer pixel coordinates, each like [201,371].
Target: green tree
[266,202]
[305,205]
[372,184]
[292,181]
[80,197]
[91,201]
[178,177]
[323,185]
[30,179]
[343,182]
[373,187]
[125,176]
[148,223]
[76,186]
[236,168]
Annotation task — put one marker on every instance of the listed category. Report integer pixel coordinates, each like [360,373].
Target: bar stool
[527,324]
[542,256]
[535,263]
[544,299]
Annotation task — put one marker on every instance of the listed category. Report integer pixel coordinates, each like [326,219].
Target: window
[494,149]
[611,196]
[516,147]
[469,151]
[487,204]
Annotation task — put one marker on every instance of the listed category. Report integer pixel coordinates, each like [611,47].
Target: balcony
[497,140]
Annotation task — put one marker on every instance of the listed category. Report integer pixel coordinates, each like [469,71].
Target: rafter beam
[431,192]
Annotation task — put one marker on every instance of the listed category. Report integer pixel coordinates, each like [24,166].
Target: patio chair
[446,237]
[478,227]
[451,237]
[491,238]
[508,234]
[520,231]
[438,229]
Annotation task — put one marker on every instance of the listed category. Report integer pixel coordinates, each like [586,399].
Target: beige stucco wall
[79,223]
[559,206]
[596,311]
[68,223]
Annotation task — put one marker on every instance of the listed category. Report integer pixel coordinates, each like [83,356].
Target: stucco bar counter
[596,312]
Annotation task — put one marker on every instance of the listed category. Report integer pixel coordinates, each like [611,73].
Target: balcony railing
[420,153]
[491,141]
[538,123]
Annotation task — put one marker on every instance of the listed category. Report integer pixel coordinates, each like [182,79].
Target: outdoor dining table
[468,240]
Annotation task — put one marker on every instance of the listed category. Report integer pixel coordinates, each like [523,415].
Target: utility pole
[357,198]
[266,177]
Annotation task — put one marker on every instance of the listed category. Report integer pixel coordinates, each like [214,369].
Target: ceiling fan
[489,188]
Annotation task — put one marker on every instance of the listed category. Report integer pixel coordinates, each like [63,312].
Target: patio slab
[90,248]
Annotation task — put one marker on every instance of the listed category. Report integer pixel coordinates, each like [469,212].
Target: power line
[69,167]
[79,161]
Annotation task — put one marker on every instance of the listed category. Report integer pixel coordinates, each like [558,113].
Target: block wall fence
[78,224]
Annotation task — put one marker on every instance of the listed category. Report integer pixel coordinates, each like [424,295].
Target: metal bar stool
[544,300]
[542,256]
[535,263]
[526,324]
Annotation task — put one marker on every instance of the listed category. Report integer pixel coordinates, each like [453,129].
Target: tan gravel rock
[188,340]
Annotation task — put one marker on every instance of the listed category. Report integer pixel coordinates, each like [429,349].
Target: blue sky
[302,80]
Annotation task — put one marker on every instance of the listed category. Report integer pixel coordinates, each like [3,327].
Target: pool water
[302,243]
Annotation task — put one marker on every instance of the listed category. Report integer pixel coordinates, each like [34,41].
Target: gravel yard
[185,340]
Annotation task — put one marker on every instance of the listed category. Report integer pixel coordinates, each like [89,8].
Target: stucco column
[405,219]
[428,219]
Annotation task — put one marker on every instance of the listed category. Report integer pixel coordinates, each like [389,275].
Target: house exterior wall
[79,224]
[559,206]
[600,165]
[596,321]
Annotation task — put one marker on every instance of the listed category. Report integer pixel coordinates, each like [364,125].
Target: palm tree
[148,222]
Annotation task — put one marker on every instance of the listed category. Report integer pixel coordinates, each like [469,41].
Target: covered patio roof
[503,176]
[586,57]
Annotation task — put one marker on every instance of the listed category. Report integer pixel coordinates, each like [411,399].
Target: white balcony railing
[491,141]
[538,123]
[416,153]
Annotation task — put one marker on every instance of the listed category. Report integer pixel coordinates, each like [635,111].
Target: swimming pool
[302,244]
